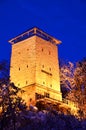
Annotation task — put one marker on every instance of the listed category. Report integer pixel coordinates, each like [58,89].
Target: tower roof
[34,32]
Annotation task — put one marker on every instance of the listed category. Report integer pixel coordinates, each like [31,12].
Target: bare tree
[73,79]
[67,77]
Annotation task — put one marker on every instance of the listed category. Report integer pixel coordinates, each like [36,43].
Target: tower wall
[23,62]
[35,68]
[47,69]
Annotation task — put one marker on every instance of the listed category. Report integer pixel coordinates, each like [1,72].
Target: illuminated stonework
[35,68]
[34,65]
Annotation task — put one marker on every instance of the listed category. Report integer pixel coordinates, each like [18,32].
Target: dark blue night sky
[63,19]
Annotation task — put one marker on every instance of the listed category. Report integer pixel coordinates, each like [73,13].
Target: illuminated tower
[34,65]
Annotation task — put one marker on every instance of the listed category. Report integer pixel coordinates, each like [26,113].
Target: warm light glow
[36,70]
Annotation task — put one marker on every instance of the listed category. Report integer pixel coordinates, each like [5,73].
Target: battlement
[34,32]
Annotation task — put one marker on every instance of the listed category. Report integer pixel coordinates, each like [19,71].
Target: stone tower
[34,65]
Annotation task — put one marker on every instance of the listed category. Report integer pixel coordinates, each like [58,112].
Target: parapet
[34,32]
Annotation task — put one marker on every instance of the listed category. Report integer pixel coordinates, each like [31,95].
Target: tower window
[47,95]
[50,69]
[26,82]
[19,68]
[51,85]
[18,84]
[43,82]
[42,49]
[27,66]
[30,99]
[42,66]
[39,96]
[49,53]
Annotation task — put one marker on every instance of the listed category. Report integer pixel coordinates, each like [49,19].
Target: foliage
[80,78]
[14,115]
[66,77]
[73,83]
[4,70]
[50,120]
[80,85]
[11,105]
